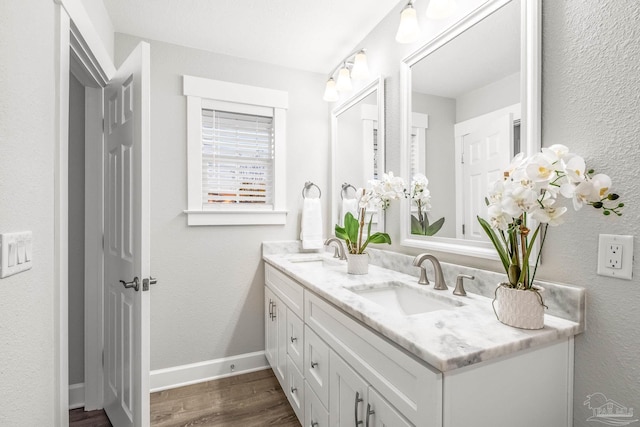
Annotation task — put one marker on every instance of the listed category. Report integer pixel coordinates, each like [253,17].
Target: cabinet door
[347,394]
[270,337]
[315,414]
[295,339]
[379,413]
[316,365]
[279,318]
[295,389]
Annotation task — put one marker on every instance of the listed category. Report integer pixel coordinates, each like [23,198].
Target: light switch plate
[615,256]
[15,253]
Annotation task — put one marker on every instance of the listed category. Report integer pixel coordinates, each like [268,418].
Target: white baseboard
[76,396]
[178,376]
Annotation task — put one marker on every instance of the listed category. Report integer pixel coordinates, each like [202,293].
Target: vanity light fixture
[441,9]
[408,30]
[353,66]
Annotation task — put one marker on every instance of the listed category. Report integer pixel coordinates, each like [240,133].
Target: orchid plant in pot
[421,196]
[529,191]
[378,195]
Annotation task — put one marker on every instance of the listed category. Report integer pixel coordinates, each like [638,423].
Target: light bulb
[330,91]
[344,80]
[360,69]
[408,30]
[441,9]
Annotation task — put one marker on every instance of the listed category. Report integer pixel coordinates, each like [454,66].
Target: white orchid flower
[601,184]
[498,218]
[550,214]
[555,152]
[540,170]
[581,194]
[574,168]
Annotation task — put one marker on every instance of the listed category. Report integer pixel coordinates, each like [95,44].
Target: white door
[347,393]
[380,413]
[486,154]
[126,242]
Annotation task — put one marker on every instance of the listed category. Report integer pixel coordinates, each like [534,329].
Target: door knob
[147,282]
[135,284]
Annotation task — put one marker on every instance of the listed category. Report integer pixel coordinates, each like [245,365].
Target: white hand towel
[348,205]
[311,227]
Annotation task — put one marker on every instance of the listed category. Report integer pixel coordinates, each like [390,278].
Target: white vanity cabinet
[336,371]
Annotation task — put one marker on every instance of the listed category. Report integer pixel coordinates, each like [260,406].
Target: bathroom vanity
[381,350]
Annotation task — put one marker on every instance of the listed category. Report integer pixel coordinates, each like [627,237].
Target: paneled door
[126,242]
[487,153]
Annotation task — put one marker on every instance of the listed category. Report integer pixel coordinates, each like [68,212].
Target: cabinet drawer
[290,292]
[316,365]
[315,414]
[295,389]
[413,388]
[295,339]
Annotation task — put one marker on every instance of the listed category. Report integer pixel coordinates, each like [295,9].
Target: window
[236,153]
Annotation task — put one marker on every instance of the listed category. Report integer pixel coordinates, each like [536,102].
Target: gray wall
[440,145]
[208,302]
[76,231]
[590,102]
[28,394]
[489,98]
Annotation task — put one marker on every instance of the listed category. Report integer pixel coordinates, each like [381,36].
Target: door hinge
[463,229]
[103,357]
[103,124]
[103,242]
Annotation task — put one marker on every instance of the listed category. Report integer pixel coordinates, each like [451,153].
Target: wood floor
[248,400]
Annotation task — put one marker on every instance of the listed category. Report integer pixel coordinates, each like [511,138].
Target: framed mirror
[470,102]
[357,149]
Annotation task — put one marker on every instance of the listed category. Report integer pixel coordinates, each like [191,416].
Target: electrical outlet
[615,256]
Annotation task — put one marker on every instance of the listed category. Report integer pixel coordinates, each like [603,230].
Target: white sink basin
[405,300]
[312,260]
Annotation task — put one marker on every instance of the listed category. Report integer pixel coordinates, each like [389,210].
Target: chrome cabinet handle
[135,284]
[270,308]
[314,424]
[355,408]
[293,389]
[293,339]
[313,364]
[273,312]
[369,412]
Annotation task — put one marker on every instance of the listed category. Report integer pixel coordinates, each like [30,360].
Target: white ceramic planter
[519,308]
[357,263]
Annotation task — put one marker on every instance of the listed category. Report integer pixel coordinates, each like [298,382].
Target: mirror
[467,110]
[357,149]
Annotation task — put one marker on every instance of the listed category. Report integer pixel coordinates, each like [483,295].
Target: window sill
[236,217]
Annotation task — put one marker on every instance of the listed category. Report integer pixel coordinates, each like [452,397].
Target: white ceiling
[313,35]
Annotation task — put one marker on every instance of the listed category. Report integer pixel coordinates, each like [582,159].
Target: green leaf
[351,227]
[416,226]
[379,238]
[502,253]
[435,227]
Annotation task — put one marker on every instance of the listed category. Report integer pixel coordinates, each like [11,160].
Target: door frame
[75,38]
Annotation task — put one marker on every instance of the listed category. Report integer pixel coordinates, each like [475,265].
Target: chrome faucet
[338,250]
[439,279]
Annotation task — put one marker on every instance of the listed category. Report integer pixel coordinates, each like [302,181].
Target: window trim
[201,92]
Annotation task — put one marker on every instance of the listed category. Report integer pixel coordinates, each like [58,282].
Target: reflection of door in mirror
[470,90]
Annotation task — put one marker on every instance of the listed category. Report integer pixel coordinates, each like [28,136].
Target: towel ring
[345,189]
[307,186]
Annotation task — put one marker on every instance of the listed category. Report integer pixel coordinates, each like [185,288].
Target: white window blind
[237,159]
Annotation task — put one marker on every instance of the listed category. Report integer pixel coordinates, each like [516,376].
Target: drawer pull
[313,364]
[293,389]
[270,308]
[314,424]
[355,409]
[273,314]
[294,339]
[369,412]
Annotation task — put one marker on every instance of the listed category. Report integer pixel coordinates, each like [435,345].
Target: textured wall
[209,299]
[27,110]
[590,102]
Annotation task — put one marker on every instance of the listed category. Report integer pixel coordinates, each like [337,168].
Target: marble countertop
[445,339]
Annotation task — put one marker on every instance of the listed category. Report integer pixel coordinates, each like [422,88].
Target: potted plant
[529,191]
[421,196]
[377,195]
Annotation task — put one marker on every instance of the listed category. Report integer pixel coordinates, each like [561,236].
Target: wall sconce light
[408,31]
[353,66]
